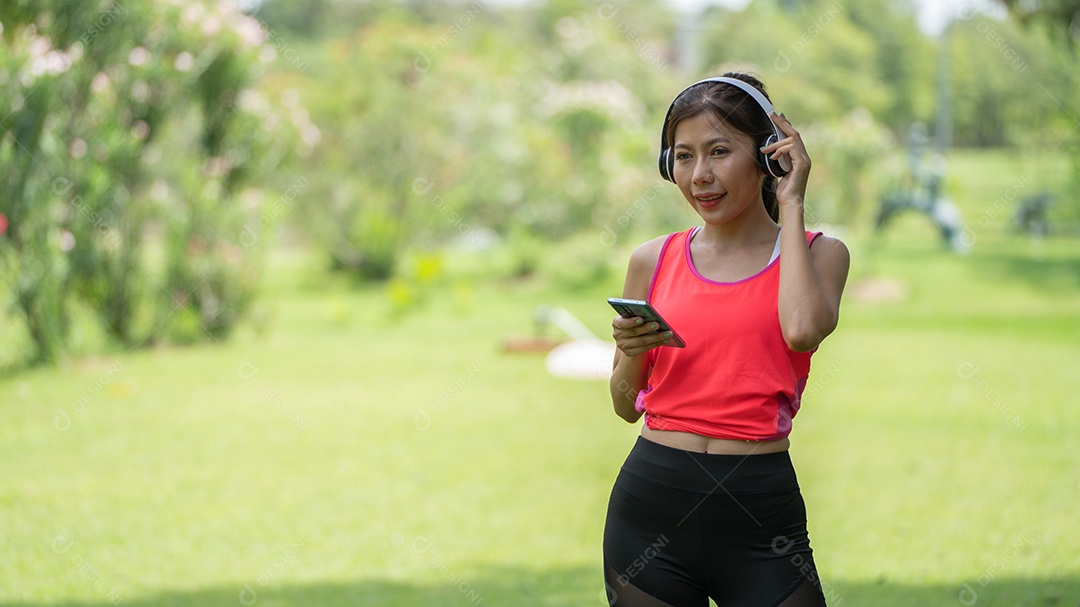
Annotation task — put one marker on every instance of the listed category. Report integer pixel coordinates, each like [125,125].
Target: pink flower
[3,224]
[67,241]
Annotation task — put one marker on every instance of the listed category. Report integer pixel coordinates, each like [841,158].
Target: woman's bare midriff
[704,444]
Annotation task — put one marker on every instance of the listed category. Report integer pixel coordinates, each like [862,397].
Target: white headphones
[775,168]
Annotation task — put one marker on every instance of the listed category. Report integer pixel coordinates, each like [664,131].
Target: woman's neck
[748,228]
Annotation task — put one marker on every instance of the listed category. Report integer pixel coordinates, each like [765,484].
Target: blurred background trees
[152,151]
[131,137]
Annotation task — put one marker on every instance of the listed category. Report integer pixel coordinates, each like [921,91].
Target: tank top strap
[669,253]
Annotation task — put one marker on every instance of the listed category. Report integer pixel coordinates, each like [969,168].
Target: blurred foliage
[147,147]
[852,168]
[1008,85]
[1060,21]
[446,124]
[124,122]
[822,61]
[446,119]
[1062,16]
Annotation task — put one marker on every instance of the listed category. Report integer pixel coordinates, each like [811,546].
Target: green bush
[128,122]
[447,131]
[850,168]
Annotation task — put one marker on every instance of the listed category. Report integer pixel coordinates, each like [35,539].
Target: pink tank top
[736,378]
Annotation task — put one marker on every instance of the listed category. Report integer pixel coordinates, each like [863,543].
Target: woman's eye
[682,156]
[719,151]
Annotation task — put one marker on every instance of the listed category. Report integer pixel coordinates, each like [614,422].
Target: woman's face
[716,168]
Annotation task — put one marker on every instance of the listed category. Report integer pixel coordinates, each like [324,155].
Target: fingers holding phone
[634,336]
[640,328]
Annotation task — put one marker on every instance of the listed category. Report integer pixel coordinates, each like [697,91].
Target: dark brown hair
[737,109]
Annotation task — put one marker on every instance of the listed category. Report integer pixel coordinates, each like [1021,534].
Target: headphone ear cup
[767,164]
[667,165]
[770,166]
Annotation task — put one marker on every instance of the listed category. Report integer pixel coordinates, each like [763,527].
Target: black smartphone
[629,308]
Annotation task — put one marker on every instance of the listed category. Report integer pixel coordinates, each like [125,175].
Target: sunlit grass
[351,448]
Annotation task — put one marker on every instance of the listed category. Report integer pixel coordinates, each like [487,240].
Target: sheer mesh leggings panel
[621,593]
[808,594]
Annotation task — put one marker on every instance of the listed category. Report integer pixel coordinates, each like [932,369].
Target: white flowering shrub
[127,126]
[467,128]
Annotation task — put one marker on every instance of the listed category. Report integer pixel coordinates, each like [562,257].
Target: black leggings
[683,527]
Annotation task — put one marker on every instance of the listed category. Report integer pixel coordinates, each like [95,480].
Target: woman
[707,504]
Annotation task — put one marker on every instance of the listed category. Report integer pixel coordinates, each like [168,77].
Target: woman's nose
[703,171]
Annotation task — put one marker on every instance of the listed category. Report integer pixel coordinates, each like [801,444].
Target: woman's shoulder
[827,244]
[649,250]
[830,251]
[642,266]
[647,253]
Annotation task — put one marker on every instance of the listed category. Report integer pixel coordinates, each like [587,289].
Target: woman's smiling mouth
[709,199]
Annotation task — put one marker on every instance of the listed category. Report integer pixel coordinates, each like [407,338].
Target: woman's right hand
[634,336]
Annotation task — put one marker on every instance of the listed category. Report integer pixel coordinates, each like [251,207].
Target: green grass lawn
[373,446]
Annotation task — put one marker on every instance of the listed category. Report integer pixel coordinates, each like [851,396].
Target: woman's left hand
[792,188]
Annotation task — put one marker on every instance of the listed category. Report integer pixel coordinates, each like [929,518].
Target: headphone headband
[776,168]
[751,90]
